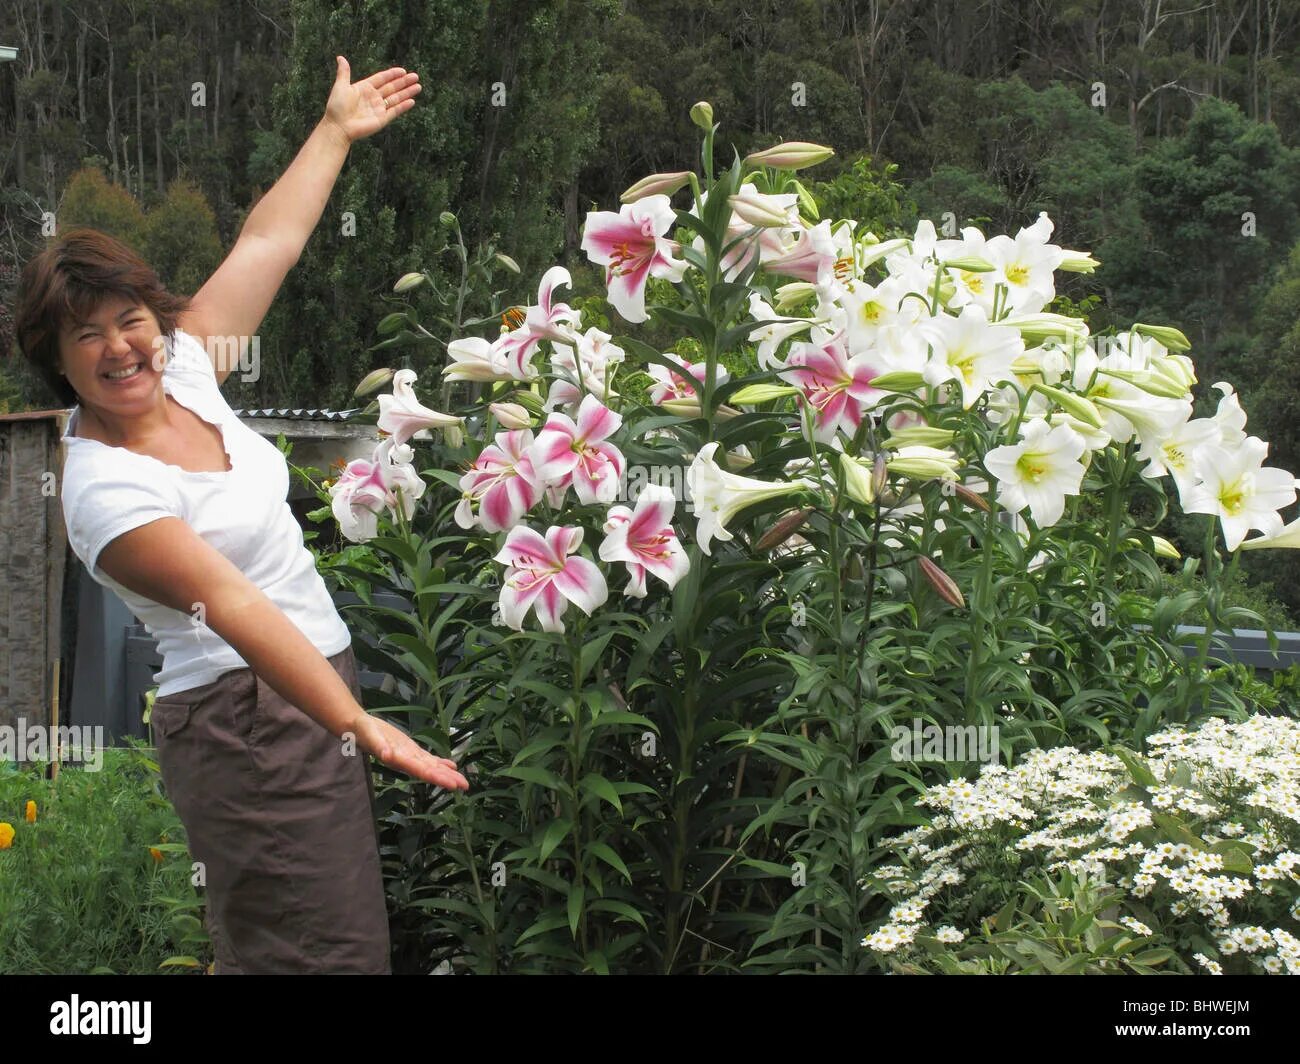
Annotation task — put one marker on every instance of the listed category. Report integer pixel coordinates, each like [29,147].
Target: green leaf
[555,833]
[599,786]
[606,854]
[576,894]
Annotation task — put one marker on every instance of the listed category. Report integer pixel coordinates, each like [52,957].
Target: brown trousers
[281,819]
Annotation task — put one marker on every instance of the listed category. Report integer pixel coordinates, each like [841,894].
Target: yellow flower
[6,836]
[30,812]
[157,854]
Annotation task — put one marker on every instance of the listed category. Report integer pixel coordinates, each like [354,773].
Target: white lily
[1039,471]
[969,350]
[717,496]
[1236,488]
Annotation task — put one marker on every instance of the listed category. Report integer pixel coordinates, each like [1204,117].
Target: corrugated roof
[300,413]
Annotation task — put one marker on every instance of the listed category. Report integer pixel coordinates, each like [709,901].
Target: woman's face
[114,360]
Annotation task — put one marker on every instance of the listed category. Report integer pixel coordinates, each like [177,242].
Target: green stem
[575,768]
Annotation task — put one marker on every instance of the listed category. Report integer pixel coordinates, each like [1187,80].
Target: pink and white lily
[474,359]
[501,486]
[644,539]
[547,574]
[584,371]
[403,415]
[568,453]
[811,256]
[837,387]
[548,320]
[669,384]
[386,481]
[632,247]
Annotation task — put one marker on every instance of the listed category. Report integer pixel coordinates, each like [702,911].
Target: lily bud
[1077,405]
[447,218]
[529,401]
[903,380]
[970,265]
[761,393]
[789,155]
[924,462]
[858,484]
[919,436]
[1077,262]
[1172,338]
[1160,545]
[879,473]
[1178,368]
[408,281]
[702,115]
[681,407]
[1149,382]
[511,415]
[807,204]
[971,497]
[373,381]
[656,185]
[792,295]
[786,527]
[755,208]
[1035,328]
[944,585]
[452,436]
[507,262]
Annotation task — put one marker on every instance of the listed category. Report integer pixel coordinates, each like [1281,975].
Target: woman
[180,509]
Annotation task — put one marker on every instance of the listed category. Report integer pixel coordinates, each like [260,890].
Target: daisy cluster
[1211,838]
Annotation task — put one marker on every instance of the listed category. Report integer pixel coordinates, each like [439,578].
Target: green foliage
[80,891]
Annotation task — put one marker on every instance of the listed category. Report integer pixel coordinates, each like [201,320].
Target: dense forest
[1163,137]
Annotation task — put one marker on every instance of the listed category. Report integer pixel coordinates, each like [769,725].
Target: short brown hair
[70,278]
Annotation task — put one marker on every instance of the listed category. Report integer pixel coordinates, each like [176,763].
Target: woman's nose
[119,344]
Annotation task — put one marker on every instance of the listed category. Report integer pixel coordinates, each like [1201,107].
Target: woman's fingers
[402,95]
[410,757]
[383,77]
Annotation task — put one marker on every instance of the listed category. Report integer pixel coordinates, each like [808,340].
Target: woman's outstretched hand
[367,106]
[398,750]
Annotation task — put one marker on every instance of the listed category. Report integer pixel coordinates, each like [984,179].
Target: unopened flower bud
[447,218]
[786,527]
[656,185]
[511,415]
[858,483]
[789,155]
[944,585]
[702,115]
[972,497]
[506,261]
[1172,338]
[408,281]
[373,381]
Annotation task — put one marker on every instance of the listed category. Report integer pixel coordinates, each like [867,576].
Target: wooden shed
[64,639]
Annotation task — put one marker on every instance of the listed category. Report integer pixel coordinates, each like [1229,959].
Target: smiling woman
[180,509]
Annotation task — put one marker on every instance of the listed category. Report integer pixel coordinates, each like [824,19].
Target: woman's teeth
[122,374]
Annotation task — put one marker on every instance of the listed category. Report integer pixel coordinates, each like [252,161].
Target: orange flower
[6,836]
[30,812]
[157,854]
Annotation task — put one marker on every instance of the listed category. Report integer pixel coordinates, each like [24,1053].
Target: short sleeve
[189,360]
[105,500]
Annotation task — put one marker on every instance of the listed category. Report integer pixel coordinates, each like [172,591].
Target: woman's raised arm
[235,299]
[168,562]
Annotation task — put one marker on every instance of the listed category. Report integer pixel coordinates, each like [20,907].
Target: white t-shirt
[242,512]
